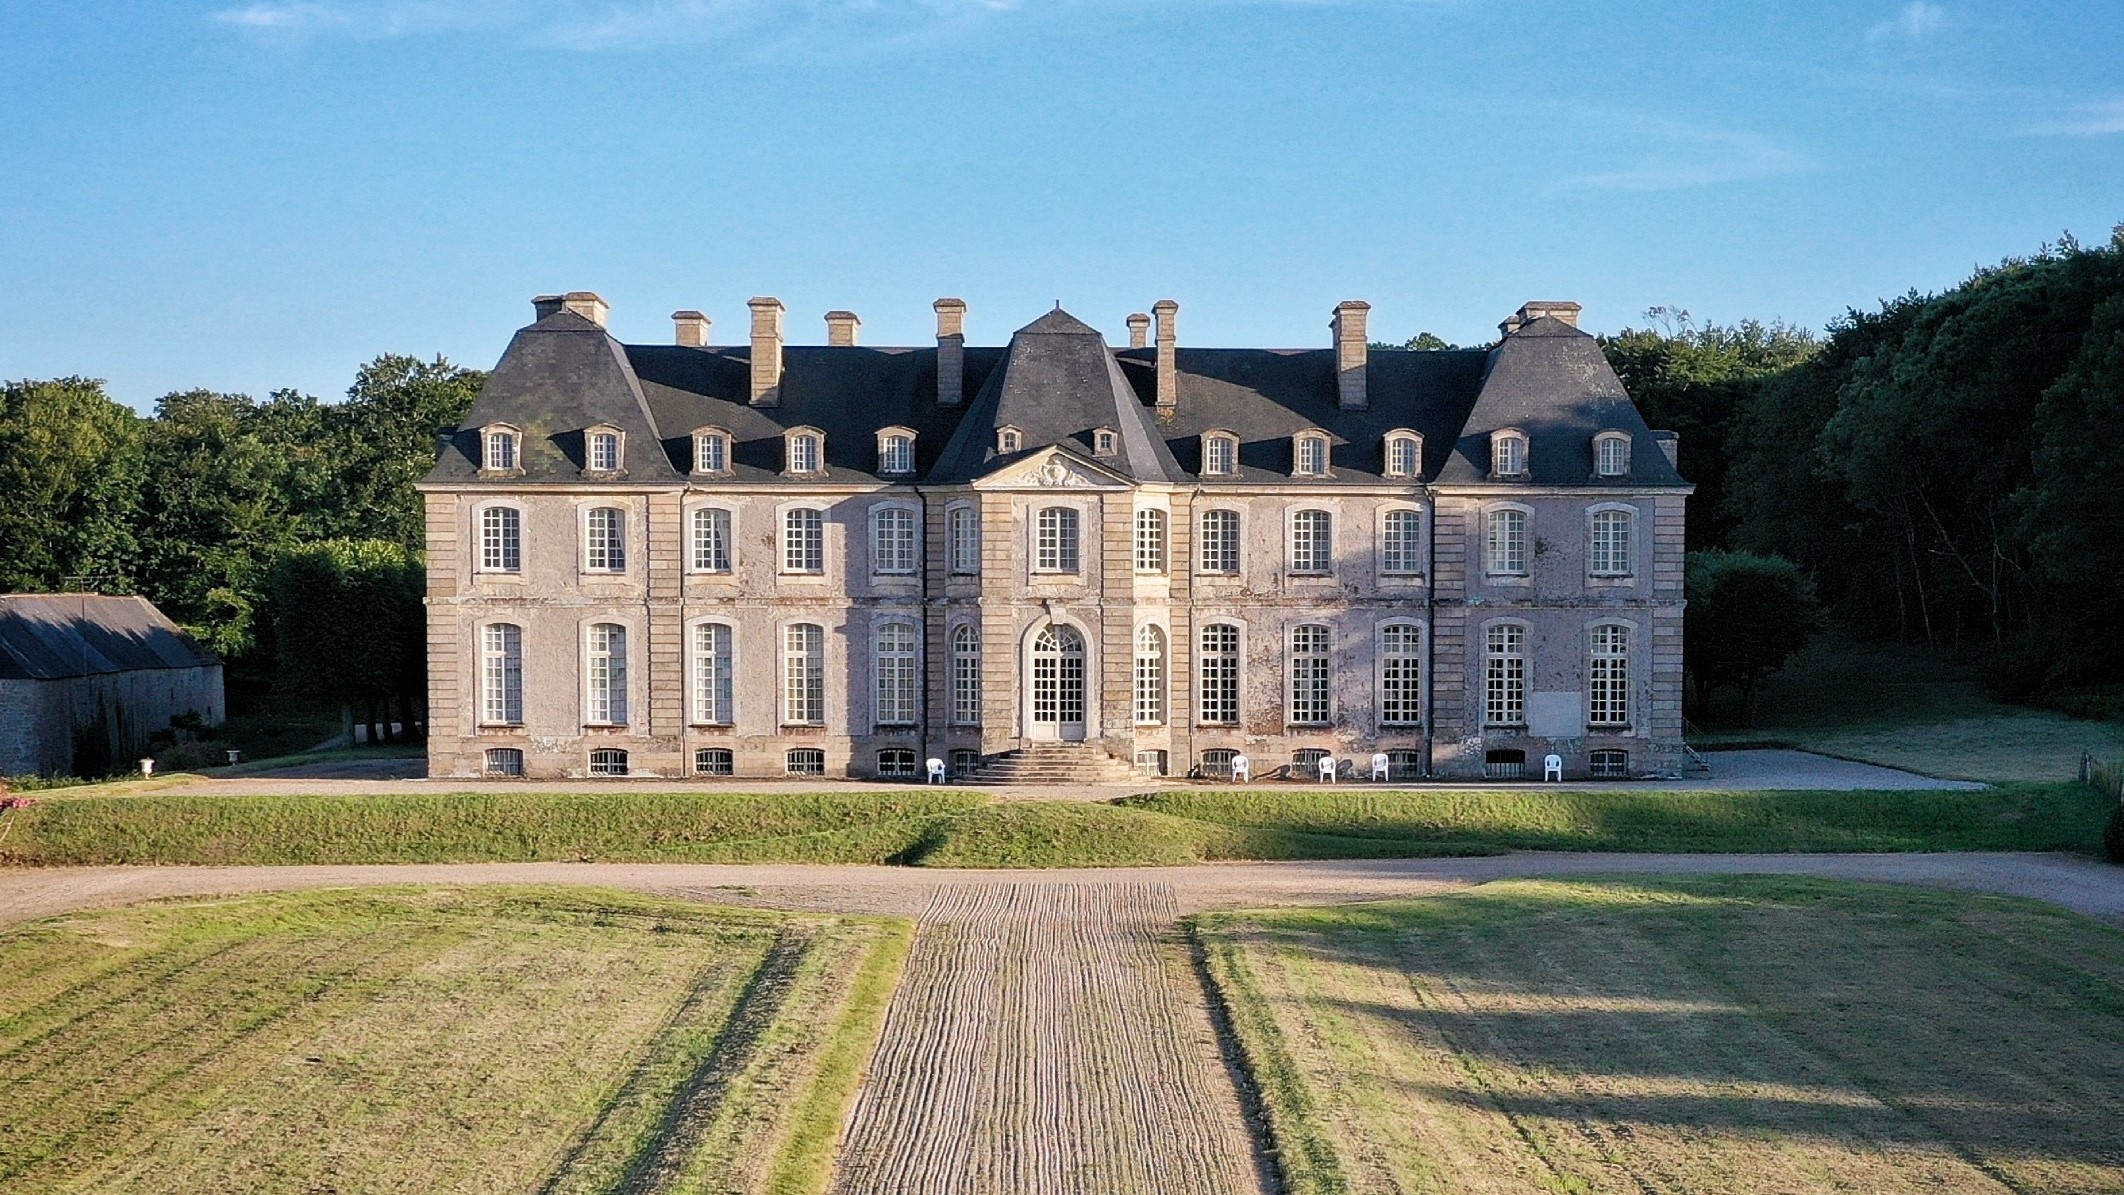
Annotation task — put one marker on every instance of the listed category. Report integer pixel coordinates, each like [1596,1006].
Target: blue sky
[251,194]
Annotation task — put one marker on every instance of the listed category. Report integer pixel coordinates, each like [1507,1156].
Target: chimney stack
[841,328]
[585,303]
[951,351]
[545,305]
[1138,331]
[1528,312]
[1351,352]
[1167,312]
[766,351]
[692,328]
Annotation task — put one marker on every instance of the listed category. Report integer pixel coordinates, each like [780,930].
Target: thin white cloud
[2085,120]
[1917,21]
[592,24]
[1660,154]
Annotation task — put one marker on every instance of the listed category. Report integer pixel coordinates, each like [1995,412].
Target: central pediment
[1052,469]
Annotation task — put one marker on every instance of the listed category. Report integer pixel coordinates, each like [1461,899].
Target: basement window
[713,761]
[807,761]
[505,761]
[608,761]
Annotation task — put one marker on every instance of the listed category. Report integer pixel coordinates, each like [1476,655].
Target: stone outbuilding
[86,678]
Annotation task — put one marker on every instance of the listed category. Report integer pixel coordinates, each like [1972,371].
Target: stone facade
[85,679]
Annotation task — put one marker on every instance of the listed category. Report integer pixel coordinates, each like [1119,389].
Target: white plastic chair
[936,770]
[1552,767]
[1327,768]
[1382,767]
[1242,769]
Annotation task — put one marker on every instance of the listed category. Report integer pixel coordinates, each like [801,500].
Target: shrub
[2113,835]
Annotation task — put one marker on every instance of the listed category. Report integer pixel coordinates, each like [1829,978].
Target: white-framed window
[896,452]
[1220,541]
[1609,547]
[1220,455]
[1009,439]
[1150,541]
[805,761]
[1310,675]
[1504,675]
[1401,674]
[499,449]
[608,761]
[714,687]
[1055,540]
[501,539]
[1506,541]
[1608,680]
[1105,442]
[1401,542]
[893,656]
[892,540]
[1404,454]
[501,674]
[606,671]
[1508,453]
[807,452]
[1310,455]
[1611,454]
[963,530]
[1218,666]
[710,532]
[966,675]
[605,540]
[711,451]
[1150,676]
[505,761]
[603,454]
[803,540]
[1312,541]
[803,674]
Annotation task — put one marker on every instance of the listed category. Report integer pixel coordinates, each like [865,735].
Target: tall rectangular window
[804,454]
[607,673]
[804,674]
[501,674]
[1611,456]
[1312,541]
[964,531]
[1608,703]
[1508,542]
[1220,541]
[892,540]
[1150,676]
[711,540]
[1404,456]
[713,687]
[894,660]
[1400,674]
[1401,543]
[501,540]
[711,453]
[1609,552]
[1504,676]
[501,450]
[1310,671]
[1312,456]
[896,454]
[604,452]
[966,676]
[1150,541]
[1220,456]
[605,540]
[803,541]
[1219,665]
[1056,543]
[1508,454]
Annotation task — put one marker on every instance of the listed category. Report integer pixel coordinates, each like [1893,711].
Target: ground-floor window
[1151,762]
[894,763]
[965,761]
[1305,762]
[1404,765]
[1505,764]
[1217,763]
[505,761]
[714,761]
[1611,764]
[807,761]
[608,761]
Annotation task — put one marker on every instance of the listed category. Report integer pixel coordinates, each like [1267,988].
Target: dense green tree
[349,627]
[1747,616]
[2074,507]
[385,435]
[70,471]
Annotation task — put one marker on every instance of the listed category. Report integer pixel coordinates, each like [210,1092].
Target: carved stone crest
[1055,473]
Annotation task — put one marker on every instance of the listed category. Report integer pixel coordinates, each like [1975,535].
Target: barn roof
[53,636]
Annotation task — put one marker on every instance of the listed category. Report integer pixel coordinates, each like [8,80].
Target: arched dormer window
[896,455]
[604,450]
[1404,453]
[1611,454]
[1508,453]
[1105,441]
[805,451]
[1309,454]
[500,448]
[711,452]
[1220,454]
[1009,439]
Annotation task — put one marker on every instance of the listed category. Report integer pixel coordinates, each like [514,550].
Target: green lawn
[439,1040]
[1732,1035]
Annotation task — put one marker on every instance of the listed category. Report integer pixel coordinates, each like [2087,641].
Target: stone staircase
[1054,763]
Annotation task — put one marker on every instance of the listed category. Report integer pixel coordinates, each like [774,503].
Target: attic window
[1220,455]
[603,455]
[896,451]
[711,451]
[807,452]
[1008,439]
[498,449]
[1104,442]
[1404,454]
[1508,453]
[1309,454]
[1611,454]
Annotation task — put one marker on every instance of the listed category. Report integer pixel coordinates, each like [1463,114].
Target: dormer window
[602,452]
[1611,454]
[1008,439]
[1309,455]
[1508,453]
[1404,454]
[711,451]
[1220,454]
[896,451]
[807,451]
[1105,442]
[499,449]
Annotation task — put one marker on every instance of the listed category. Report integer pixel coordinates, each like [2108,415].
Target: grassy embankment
[941,828]
[440,1039]
[1738,1035]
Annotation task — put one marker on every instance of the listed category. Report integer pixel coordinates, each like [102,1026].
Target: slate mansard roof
[54,636]
[1057,382]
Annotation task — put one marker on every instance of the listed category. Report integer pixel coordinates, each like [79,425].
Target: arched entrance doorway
[1057,687]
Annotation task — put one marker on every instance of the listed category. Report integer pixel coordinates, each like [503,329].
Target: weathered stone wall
[41,721]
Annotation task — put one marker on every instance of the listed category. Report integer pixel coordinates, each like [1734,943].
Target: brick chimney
[585,303]
[692,328]
[545,305]
[1167,312]
[1538,308]
[766,351]
[1351,353]
[841,329]
[1138,331]
[951,351]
